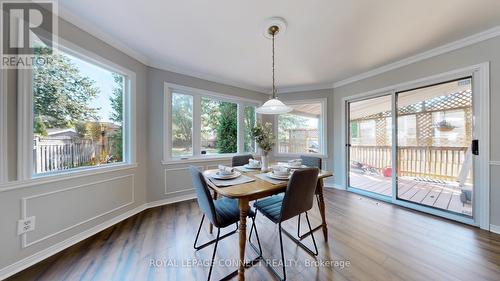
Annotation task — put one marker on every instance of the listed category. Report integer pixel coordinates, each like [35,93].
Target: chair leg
[312,235]
[198,233]
[282,254]
[314,229]
[212,241]
[298,227]
[259,250]
[213,255]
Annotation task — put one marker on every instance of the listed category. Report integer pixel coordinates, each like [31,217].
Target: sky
[104,81]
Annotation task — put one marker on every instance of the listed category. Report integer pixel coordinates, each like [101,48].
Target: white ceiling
[325,41]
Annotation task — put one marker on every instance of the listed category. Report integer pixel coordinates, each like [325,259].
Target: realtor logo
[26,26]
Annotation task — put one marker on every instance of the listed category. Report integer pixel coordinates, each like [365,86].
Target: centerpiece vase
[264,162]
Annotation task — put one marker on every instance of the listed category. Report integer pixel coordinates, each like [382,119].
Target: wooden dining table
[258,189]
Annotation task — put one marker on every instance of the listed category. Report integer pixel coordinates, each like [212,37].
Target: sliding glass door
[435,132]
[370,145]
[423,157]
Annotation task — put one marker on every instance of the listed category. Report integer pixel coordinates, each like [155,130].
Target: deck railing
[417,161]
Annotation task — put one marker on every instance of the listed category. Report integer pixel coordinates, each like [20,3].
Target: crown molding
[305,88]
[464,42]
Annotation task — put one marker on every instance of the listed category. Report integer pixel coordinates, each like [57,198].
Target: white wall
[475,54]
[68,208]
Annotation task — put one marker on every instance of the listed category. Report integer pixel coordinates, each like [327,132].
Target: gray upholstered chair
[297,199]
[313,162]
[221,213]
[240,160]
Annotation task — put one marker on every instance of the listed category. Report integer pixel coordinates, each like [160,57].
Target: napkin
[253,163]
[225,170]
[295,162]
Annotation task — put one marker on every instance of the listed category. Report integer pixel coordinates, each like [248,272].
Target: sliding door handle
[475,147]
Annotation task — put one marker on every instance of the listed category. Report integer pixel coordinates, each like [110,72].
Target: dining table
[258,188]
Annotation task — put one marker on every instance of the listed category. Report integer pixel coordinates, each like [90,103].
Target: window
[248,123]
[182,125]
[301,131]
[204,124]
[79,117]
[219,126]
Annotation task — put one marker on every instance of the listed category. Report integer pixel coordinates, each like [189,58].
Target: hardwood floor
[379,241]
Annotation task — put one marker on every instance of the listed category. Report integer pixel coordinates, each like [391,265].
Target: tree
[117,116]
[182,119]
[227,129]
[289,122]
[61,93]
[249,123]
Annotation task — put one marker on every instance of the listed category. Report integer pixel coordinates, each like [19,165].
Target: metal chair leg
[259,250]
[312,235]
[282,254]
[314,229]
[213,254]
[212,241]
[198,233]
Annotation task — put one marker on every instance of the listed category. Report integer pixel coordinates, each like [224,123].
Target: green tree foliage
[209,117]
[249,123]
[289,122]
[227,128]
[61,93]
[182,119]
[117,116]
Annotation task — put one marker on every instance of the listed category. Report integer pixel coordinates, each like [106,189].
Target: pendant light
[273,105]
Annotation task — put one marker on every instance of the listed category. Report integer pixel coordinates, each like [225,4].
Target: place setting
[252,166]
[278,174]
[227,176]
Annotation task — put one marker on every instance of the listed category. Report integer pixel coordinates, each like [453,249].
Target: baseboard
[495,228]
[56,248]
[172,200]
[338,186]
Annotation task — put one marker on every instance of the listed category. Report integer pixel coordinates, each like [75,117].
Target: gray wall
[172,182]
[471,55]
[64,208]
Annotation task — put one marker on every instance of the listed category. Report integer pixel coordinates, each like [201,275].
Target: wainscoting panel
[178,178]
[64,209]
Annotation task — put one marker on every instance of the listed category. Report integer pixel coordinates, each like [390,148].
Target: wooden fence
[416,161]
[62,154]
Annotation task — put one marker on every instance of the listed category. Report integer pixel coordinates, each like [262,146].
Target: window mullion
[241,125]
[196,125]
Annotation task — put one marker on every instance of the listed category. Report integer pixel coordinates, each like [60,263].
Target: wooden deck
[443,195]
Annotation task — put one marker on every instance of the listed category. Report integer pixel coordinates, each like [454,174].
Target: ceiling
[325,41]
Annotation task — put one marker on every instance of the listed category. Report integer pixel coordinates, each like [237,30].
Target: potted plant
[263,136]
[444,126]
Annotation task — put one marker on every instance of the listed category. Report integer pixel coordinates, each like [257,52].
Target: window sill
[55,177]
[209,158]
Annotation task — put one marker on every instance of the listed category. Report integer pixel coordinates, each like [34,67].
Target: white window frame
[322,126]
[197,94]
[25,116]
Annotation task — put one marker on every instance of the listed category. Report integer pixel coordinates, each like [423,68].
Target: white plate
[294,167]
[276,177]
[226,177]
[251,167]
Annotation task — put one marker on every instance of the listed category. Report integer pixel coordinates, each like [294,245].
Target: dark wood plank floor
[373,240]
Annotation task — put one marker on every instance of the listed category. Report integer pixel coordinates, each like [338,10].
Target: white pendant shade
[273,106]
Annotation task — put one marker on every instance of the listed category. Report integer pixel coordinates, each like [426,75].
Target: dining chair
[240,160]
[313,162]
[297,199]
[221,213]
